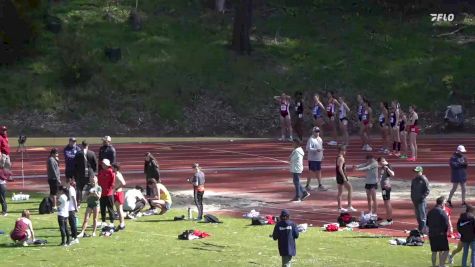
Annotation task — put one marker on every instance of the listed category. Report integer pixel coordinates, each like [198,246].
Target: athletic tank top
[317,111]
[365,116]
[338,174]
[392,119]
[284,108]
[381,118]
[331,109]
[342,113]
[360,112]
[402,125]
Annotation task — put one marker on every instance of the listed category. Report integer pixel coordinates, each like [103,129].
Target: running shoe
[369,148]
[386,151]
[341,210]
[449,203]
[308,188]
[80,235]
[281,139]
[403,156]
[386,223]
[290,139]
[332,143]
[5,214]
[364,147]
[350,208]
[93,234]
[305,195]
[397,154]
[322,188]
[74,241]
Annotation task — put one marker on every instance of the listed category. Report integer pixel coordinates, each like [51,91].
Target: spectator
[371,182]
[119,197]
[92,200]
[198,182]
[296,168]
[73,209]
[135,201]
[285,231]
[419,192]
[315,156]
[70,152]
[63,214]
[466,226]
[438,224]
[5,174]
[85,166]
[458,164]
[54,179]
[151,170]
[107,151]
[160,198]
[107,181]
[23,230]
[4,146]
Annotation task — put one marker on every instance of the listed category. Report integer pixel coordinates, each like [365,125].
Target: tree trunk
[219,5]
[242,27]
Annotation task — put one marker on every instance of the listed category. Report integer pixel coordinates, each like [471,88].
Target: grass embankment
[152,240]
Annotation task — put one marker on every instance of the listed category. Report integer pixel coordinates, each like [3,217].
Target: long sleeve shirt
[371,169]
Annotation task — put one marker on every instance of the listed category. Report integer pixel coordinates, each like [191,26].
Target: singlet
[317,111]
[165,195]
[338,174]
[118,183]
[21,226]
[402,125]
[331,109]
[392,119]
[360,112]
[381,119]
[365,116]
[299,108]
[342,114]
[284,108]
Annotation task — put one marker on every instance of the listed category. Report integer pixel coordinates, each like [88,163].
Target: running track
[258,170]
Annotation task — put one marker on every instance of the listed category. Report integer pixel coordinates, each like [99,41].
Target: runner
[413,132]
[317,111]
[403,133]
[394,116]
[343,116]
[331,112]
[361,111]
[119,197]
[315,156]
[371,182]
[458,164]
[367,120]
[384,126]
[299,109]
[285,124]
[386,173]
[342,180]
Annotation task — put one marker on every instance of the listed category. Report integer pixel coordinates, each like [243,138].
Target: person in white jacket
[296,168]
[315,156]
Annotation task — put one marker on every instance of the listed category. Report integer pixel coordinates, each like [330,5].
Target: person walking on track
[296,168]
[458,165]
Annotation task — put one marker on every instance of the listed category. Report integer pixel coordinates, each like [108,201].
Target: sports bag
[344,219]
[46,207]
[209,218]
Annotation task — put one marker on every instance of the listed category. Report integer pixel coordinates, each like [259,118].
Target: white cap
[106,138]
[461,148]
[106,162]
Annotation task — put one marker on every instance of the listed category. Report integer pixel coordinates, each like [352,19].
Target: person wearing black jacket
[466,228]
[285,231]
[151,170]
[107,151]
[85,166]
[438,224]
[419,192]
[299,109]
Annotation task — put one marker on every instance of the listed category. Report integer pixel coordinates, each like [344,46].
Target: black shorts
[439,243]
[53,187]
[344,119]
[341,180]
[314,166]
[386,192]
[371,186]
[69,173]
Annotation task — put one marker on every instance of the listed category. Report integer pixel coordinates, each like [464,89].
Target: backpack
[46,207]
[344,219]
[415,238]
[186,235]
[211,219]
[259,221]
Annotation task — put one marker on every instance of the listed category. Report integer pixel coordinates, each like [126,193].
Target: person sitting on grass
[135,201]
[159,199]
[285,231]
[92,200]
[23,230]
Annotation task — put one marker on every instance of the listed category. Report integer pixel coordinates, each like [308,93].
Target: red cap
[3,128]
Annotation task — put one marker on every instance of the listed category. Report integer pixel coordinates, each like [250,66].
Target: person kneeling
[160,198]
[135,201]
[23,231]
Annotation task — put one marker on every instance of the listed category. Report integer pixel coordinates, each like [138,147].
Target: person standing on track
[299,109]
[384,125]
[106,181]
[367,120]
[107,151]
[419,192]
[386,173]
[119,196]
[285,123]
[394,128]
[342,180]
[285,231]
[70,152]
[343,116]
[4,145]
[413,132]
[317,111]
[151,170]
[458,165]
[371,182]
[438,224]
[403,133]
[315,156]
[198,182]
[360,112]
[54,177]
[331,113]
[296,168]
[85,167]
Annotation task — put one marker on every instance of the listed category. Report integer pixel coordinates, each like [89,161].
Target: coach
[458,164]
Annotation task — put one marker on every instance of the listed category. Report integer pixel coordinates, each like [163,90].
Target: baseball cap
[461,148]
[284,213]
[106,138]
[72,139]
[418,169]
[106,162]
[3,128]
[316,129]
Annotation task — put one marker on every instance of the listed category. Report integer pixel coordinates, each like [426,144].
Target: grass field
[152,241]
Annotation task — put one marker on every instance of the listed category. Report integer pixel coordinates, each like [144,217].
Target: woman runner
[367,119]
[331,112]
[342,180]
[384,126]
[285,124]
[394,124]
[413,130]
[343,116]
[360,112]
[317,111]
[403,133]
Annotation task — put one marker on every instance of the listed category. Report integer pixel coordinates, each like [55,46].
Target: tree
[242,27]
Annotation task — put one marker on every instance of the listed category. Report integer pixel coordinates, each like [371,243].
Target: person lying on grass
[160,198]
[23,230]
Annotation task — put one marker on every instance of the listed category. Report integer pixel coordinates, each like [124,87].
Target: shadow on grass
[13,245]
[367,236]
[168,220]
[206,246]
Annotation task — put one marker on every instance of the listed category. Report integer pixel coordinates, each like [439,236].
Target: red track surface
[258,170]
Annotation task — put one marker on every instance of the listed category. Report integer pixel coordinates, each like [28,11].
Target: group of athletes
[396,125]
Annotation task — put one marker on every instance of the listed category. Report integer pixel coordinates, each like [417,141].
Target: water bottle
[190,214]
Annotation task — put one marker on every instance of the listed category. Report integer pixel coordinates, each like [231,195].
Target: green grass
[152,241]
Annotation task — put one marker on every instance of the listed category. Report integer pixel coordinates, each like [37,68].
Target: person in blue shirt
[285,231]
[70,152]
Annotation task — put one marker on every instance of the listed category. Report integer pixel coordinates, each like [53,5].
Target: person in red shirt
[106,180]
[4,146]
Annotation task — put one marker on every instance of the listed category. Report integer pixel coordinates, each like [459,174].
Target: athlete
[299,109]
[403,133]
[331,112]
[384,126]
[394,125]
[285,124]
[342,180]
[413,130]
[317,111]
[386,173]
[366,119]
[343,116]
[360,100]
